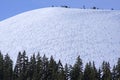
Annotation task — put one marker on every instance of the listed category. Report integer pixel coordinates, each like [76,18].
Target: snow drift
[64,33]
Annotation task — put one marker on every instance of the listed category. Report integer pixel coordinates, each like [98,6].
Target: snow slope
[64,33]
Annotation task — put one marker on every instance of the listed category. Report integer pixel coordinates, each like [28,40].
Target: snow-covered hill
[64,33]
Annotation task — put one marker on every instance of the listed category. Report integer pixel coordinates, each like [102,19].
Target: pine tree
[31,67]
[94,72]
[17,70]
[99,74]
[76,72]
[87,71]
[114,73]
[38,70]
[70,72]
[52,69]
[24,65]
[45,68]
[118,69]
[106,71]
[7,70]
[94,7]
[90,72]
[67,72]
[61,73]
[1,66]
[21,67]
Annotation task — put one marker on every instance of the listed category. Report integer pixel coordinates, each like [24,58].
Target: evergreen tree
[38,70]
[87,71]
[94,7]
[90,72]
[76,72]
[61,73]
[70,72]
[99,74]
[118,69]
[1,66]
[17,70]
[31,68]
[52,73]
[114,73]
[24,65]
[7,70]
[45,68]
[21,67]
[106,71]
[67,72]
[94,72]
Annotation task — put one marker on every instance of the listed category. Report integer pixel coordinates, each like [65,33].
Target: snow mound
[64,33]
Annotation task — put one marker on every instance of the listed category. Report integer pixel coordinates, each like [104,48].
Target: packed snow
[64,33]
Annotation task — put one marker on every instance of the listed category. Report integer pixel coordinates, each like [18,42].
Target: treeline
[42,68]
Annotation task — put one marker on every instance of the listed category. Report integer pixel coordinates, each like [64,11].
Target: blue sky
[9,8]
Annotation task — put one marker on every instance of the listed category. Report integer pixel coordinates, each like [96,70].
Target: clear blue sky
[10,8]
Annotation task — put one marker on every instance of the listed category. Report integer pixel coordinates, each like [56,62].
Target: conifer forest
[39,67]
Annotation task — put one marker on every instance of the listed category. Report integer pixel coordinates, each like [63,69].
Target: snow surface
[64,33]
